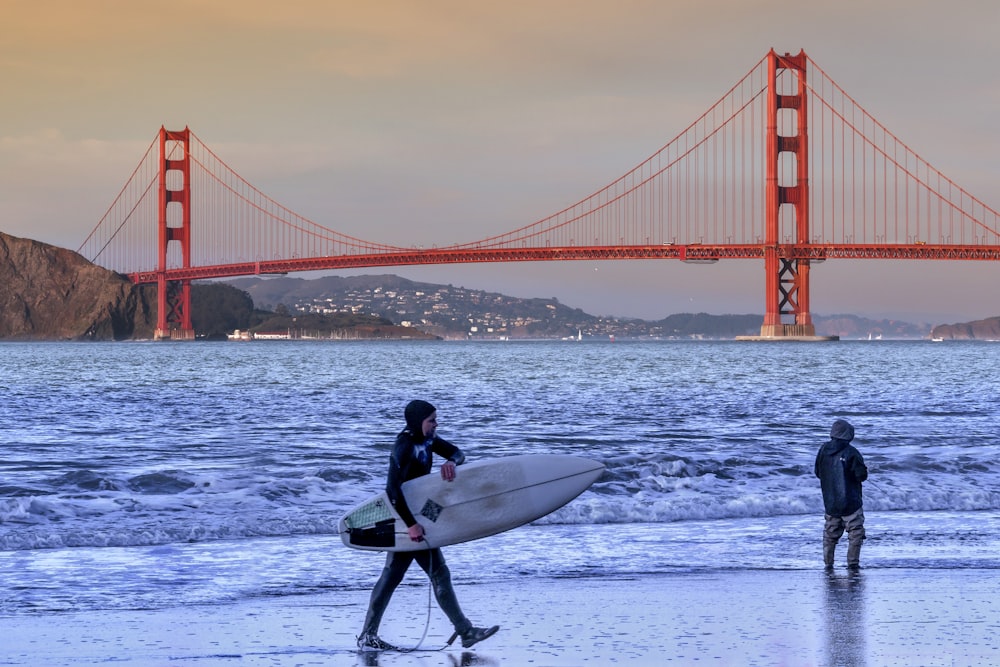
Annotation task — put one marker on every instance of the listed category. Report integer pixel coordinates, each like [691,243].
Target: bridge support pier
[173,315]
[787,278]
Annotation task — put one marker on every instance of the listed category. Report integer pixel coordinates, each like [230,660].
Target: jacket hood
[842,430]
[833,447]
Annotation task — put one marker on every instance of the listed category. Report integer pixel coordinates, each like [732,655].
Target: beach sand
[730,617]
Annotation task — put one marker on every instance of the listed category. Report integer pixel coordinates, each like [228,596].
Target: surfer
[841,470]
[412,456]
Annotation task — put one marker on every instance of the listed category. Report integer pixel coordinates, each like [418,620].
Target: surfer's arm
[454,455]
[399,502]
[399,464]
[442,447]
[455,458]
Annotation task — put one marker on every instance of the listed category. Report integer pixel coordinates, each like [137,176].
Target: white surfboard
[487,497]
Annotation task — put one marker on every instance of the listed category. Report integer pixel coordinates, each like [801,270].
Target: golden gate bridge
[786,167]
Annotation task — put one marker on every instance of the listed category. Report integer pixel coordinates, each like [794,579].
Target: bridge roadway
[692,253]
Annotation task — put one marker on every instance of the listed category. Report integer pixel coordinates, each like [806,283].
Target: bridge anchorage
[785,168]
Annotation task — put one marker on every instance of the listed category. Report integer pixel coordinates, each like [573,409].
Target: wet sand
[757,617]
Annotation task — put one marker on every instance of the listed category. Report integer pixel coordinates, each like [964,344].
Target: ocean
[151,475]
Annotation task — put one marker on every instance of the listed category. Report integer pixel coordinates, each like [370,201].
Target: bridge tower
[787,280]
[173,318]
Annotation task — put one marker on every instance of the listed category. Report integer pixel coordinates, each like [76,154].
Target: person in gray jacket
[841,470]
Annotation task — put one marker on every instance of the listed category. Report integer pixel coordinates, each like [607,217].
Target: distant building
[273,335]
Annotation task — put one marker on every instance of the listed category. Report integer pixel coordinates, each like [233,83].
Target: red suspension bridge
[786,167]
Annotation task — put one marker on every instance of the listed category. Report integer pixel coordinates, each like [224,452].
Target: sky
[441,121]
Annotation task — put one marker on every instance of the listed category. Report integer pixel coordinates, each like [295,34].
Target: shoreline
[878,616]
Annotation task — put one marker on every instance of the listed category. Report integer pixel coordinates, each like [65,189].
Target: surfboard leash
[430,590]
[427,619]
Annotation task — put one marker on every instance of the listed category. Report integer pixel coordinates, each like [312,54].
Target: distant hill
[852,327]
[269,293]
[988,329]
[456,312]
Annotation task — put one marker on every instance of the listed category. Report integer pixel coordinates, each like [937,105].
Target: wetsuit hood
[416,412]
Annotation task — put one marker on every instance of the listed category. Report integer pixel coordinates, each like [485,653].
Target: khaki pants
[834,527]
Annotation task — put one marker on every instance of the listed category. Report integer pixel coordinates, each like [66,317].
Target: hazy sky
[435,122]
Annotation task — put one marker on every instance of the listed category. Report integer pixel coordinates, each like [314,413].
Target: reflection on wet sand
[465,659]
[845,630]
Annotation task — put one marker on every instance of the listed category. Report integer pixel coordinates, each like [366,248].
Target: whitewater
[150,475]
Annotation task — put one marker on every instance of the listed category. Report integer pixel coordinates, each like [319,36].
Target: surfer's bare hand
[448,471]
[416,532]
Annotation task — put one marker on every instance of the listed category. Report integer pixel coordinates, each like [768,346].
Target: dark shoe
[853,567]
[473,635]
[371,642]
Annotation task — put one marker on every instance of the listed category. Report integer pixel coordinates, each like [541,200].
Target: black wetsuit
[411,458]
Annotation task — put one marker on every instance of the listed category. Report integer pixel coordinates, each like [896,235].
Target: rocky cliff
[50,293]
[988,329]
